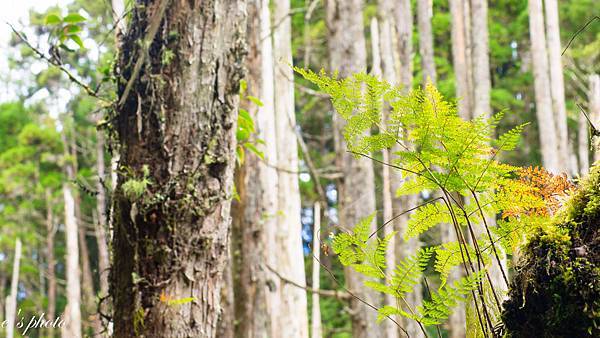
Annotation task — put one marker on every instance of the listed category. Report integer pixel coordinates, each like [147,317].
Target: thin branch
[339,294]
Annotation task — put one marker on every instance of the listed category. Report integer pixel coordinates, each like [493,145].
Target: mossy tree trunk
[180,67]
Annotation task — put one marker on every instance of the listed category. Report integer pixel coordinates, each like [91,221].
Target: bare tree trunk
[347,51]
[482,85]
[594,109]
[51,261]
[459,58]
[72,327]
[254,216]
[11,300]
[557,87]
[293,318]
[424,15]
[543,96]
[316,331]
[177,141]
[404,30]
[101,226]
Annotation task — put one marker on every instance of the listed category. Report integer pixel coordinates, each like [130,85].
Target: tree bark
[543,96]
[557,86]
[101,225]
[347,52]
[176,121]
[11,301]
[72,328]
[459,58]
[404,31]
[424,16]
[293,318]
[482,85]
[257,300]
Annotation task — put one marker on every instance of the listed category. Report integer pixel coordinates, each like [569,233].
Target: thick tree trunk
[347,52]
[72,328]
[293,317]
[257,302]
[176,122]
[11,300]
[594,109]
[316,331]
[543,96]
[557,86]
[51,262]
[424,16]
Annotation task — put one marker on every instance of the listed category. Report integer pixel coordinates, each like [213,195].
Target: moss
[556,288]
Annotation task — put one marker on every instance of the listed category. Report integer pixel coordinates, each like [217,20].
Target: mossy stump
[556,288]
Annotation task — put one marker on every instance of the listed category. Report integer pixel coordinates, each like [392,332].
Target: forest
[300,168]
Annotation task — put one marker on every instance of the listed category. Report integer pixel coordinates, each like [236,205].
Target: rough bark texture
[557,86]
[11,301]
[424,15]
[293,315]
[72,326]
[543,96]
[254,220]
[176,121]
[347,52]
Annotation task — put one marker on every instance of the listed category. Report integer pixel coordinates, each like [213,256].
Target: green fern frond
[426,217]
[409,271]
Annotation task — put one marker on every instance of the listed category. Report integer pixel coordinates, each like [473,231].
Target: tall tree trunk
[316,331]
[176,122]
[293,318]
[557,86]
[257,300]
[101,226]
[11,300]
[72,328]
[51,261]
[424,16]
[482,85]
[459,58]
[404,32]
[543,96]
[347,52]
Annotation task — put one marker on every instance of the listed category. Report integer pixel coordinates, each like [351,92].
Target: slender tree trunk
[257,300]
[293,318]
[11,300]
[176,122]
[316,331]
[459,58]
[557,87]
[482,85]
[101,226]
[347,51]
[424,16]
[594,110]
[51,261]
[72,327]
[543,96]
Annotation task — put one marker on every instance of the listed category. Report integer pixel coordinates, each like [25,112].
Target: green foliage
[134,188]
[66,28]
[246,128]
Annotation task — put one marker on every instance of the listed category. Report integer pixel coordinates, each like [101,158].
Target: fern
[426,217]
[409,271]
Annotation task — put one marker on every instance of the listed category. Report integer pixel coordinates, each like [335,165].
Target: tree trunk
[72,327]
[594,109]
[424,16]
[543,96]
[316,331]
[459,58]
[257,302]
[11,300]
[293,318]
[347,52]
[101,226]
[51,261]
[176,122]
[482,85]
[404,32]
[557,87]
